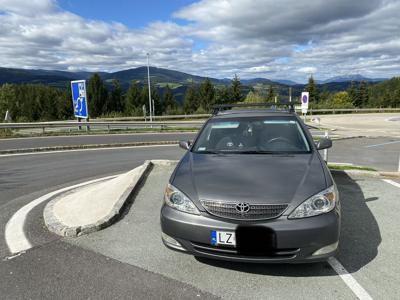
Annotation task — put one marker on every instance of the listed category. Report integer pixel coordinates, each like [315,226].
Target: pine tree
[97,95]
[169,101]
[8,101]
[144,99]
[133,100]
[363,94]
[65,105]
[158,105]
[207,95]
[313,90]
[271,94]
[223,95]
[236,90]
[191,102]
[115,102]
[353,93]
[155,98]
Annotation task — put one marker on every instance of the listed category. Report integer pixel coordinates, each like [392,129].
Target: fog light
[327,249]
[171,242]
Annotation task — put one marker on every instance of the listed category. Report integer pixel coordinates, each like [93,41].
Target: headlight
[178,200]
[320,203]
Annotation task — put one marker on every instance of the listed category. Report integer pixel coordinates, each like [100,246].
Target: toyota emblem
[243,207]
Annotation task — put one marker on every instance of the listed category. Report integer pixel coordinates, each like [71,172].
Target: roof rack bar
[222,107]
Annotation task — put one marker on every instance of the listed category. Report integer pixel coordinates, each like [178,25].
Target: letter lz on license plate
[223,238]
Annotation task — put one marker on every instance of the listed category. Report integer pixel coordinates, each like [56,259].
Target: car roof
[240,113]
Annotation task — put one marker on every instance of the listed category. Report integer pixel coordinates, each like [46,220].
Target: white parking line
[383,144]
[15,237]
[349,280]
[392,182]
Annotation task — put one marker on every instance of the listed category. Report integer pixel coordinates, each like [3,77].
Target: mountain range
[354,77]
[178,81]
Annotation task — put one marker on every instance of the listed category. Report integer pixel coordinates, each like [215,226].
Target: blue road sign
[78,88]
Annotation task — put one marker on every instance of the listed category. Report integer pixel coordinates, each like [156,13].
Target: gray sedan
[254,188]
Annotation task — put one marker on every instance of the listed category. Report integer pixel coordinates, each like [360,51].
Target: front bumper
[293,240]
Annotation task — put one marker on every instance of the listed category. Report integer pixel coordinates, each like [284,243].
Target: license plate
[223,238]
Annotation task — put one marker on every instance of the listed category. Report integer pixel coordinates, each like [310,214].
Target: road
[50,141]
[134,264]
[370,125]
[127,260]
[381,153]
[50,270]
[378,153]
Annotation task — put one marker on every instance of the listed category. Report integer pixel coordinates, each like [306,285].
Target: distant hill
[354,77]
[157,74]
[257,81]
[178,81]
[61,78]
[286,82]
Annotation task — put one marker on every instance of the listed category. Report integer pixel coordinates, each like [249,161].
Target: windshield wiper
[207,152]
[254,152]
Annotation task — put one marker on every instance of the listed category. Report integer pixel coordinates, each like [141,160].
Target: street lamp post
[148,81]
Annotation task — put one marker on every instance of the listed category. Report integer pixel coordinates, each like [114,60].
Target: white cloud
[275,39]
[308,70]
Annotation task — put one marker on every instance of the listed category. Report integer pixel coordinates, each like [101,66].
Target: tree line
[357,95]
[200,98]
[30,102]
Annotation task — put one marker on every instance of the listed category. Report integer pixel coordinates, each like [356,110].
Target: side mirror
[184,145]
[324,143]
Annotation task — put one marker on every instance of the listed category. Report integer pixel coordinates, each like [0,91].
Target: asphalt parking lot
[378,153]
[368,249]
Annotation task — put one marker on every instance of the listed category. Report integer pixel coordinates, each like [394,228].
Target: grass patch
[172,85]
[350,167]
[5,133]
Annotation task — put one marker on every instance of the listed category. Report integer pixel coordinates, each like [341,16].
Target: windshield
[258,135]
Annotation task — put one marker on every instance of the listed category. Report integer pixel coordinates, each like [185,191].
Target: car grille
[256,211]
[232,252]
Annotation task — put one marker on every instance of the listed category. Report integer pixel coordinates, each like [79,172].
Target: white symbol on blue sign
[78,88]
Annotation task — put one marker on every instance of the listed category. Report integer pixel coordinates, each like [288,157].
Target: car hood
[269,179]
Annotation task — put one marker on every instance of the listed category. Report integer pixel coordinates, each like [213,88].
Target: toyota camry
[253,187]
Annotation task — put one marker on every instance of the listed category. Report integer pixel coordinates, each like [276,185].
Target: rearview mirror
[324,143]
[184,145]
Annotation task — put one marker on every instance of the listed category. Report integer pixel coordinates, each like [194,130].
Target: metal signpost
[144,111]
[79,99]
[305,96]
[7,118]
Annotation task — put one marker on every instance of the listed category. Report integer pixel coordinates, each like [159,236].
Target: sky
[286,39]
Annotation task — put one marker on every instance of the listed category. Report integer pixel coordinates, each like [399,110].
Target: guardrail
[106,125]
[165,117]
[310,111]
[352,110]
[124,123]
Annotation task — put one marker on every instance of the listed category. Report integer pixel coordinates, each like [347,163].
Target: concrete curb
[390,174]
[89,146]
[56,226]
[373,174]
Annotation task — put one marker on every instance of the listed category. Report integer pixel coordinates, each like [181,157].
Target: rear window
[248,135]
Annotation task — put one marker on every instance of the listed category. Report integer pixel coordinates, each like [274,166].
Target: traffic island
[95,206]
